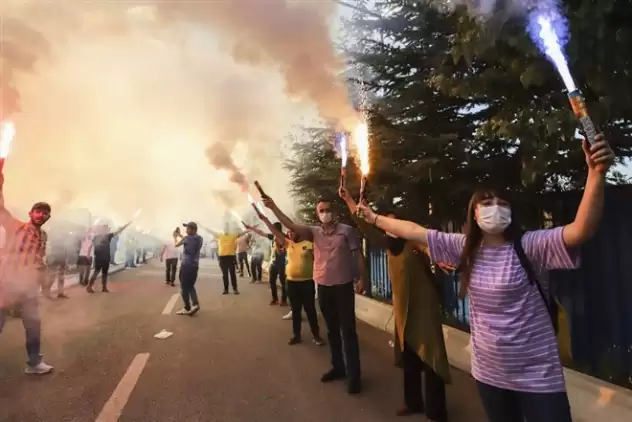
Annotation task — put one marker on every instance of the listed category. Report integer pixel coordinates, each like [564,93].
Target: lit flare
[361,141]
[6,136]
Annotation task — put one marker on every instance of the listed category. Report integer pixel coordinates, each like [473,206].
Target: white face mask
[325,217]
[493,219]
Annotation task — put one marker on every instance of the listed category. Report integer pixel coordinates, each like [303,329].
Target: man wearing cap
[102,256]
[21,270]
[191,247]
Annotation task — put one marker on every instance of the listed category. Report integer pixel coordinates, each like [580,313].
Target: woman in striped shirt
[515,357]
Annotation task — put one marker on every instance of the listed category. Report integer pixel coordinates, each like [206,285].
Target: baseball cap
[190,224]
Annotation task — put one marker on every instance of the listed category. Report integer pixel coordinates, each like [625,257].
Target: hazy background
[173,108]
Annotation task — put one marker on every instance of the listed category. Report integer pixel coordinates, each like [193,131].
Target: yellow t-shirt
[226,244]
[300,261]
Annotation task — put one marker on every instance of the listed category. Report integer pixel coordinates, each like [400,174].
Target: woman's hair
[474,235]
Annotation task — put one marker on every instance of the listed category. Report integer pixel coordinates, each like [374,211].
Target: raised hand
[364,211]
[268,202]
[599,156]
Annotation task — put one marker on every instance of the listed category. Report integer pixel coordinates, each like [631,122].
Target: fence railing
[456,310]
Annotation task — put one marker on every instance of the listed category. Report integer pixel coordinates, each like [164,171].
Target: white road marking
[172,302]
[113,408]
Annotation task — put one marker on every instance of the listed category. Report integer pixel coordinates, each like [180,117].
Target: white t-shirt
[86,246]
[171,252]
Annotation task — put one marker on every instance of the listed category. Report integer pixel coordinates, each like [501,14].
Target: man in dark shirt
[102,256]
[191,247]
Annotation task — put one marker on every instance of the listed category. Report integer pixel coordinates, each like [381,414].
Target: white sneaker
[39,369]
[183,312]
[288,316]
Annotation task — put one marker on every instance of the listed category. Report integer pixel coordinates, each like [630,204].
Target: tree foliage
[457,104]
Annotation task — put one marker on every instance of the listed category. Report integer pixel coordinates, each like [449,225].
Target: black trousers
[242,257]
[83,265]
[503,405]
[100,266]
[337,304]
[256,262]
[171,265]
[301,295]
[428,397]
[227,264]
[277,274]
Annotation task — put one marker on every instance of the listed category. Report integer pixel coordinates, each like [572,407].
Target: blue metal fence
[456,310]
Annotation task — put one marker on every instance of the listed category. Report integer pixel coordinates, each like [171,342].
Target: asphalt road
[231,362]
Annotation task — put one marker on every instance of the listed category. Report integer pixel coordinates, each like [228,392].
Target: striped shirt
[25,245]
[513,342]
[22,261]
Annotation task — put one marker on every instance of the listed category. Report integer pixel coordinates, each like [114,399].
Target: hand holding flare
[7,133]
[260,189]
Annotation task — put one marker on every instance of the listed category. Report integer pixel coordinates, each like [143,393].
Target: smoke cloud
[124,105]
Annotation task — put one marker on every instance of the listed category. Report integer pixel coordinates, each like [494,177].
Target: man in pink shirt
[336,245]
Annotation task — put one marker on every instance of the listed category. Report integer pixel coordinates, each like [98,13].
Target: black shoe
[89,289]
[236,292]
[225,292]
[104,290]
[333,375]
[354,386]
[294,340]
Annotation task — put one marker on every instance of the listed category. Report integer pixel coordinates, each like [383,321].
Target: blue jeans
[188,277]
[28,309]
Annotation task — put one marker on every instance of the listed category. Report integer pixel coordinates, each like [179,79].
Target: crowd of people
[515,356]
[504,272]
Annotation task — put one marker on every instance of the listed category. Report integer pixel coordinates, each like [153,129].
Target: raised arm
[304,232]
[216,234]
[7,219]
[256,230]
[599,158]
[280,237]
[120,229]
[400,228]
[374,235]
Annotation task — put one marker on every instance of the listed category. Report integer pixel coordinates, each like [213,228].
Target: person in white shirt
[256,262]
[84,261]
[169,255]
[241,245]
[213,246]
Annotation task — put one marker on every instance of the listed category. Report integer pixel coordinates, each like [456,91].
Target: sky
[173,108]
[127,108]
